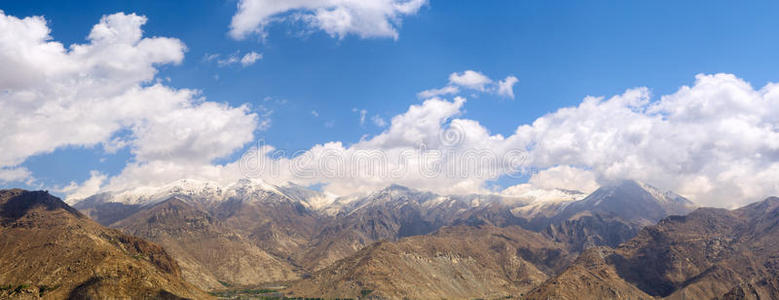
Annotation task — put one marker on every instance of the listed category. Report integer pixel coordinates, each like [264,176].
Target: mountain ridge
[709,253]
[50,248]
[296,240]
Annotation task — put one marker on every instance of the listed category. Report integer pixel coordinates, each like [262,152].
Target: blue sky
[559,51]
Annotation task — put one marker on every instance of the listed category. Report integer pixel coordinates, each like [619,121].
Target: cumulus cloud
[87,188]
[101,94]
[426,147]
[338,18]
[474,81]
[552,184]
[715,142]
[506,86]
[470,79]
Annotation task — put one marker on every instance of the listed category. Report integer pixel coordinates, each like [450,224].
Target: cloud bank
[716,142]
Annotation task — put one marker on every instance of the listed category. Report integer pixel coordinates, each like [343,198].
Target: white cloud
[17,174]
[378,121]
[229,60]
[211,56]
[249,58]
[475,81]
[338,18]
[246,60]
[564,177]
[447,90]
[534,194]
[315,113]
[87,188]
[362,113]
[470,79]
[506,86]
[424,148]
[101,94]
[715,142]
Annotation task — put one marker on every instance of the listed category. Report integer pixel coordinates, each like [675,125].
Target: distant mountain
[51,250]
[241,234]
[610,215]
[109,207]
[631,201]
[607,217]
[455,262]
[267,233]
[388,214]
[710,253]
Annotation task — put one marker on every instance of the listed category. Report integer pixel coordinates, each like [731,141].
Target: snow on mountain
[623,198]
[633,200]
[211,192]
[529,194]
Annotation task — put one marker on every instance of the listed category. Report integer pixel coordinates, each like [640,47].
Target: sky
[112,95]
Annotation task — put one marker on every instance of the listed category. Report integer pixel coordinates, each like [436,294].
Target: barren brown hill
[456,262]
[710,253]
[50,249]
[208,252]
[390,214]
[274,222]
[589,277]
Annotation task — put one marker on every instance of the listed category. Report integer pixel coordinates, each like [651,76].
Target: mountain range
[624,240]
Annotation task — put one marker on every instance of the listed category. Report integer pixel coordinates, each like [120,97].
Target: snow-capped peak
[666,197]
[527,193]
[194,189]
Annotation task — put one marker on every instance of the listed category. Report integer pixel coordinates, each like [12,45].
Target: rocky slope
[589,277]
[208,251]
[710,253]
[389,214]
[455,262]
[51,250]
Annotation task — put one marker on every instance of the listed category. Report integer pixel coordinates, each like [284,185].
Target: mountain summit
[632,201]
